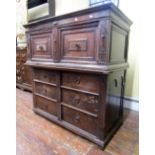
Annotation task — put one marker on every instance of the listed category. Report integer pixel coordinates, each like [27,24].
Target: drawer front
[86,82]
[41,45]
[78,44]
[46,90]
[46,105]
[45,75]
[83,121]
[82,101]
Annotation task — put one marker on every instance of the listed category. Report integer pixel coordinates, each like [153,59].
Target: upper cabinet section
[97,35]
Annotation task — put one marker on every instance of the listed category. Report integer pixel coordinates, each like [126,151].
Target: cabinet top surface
[105,7]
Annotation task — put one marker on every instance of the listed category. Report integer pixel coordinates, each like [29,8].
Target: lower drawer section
[46,105]
[81,120]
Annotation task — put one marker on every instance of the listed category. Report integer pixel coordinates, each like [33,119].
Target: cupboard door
[41,45]
[78,43]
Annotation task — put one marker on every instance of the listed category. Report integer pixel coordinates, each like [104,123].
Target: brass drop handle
[41,48]
[77,80]
[76,100]
[45,91]
[77,46]
[77,118]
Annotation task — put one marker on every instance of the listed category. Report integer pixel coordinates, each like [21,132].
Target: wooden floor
[38,136]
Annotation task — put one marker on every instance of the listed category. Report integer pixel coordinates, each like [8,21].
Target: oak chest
[79,61]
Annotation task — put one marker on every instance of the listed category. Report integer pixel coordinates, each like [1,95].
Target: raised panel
[118,45]
[41,45]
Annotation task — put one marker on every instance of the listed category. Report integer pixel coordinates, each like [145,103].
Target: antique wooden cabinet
[23,72]
[79,61]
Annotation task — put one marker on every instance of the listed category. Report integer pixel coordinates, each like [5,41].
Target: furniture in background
[23,72]
[38,9]
[79,63]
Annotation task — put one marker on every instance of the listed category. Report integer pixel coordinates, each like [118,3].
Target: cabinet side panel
[118,45]
[114,98]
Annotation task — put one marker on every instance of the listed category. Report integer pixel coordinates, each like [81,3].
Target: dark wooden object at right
[79,62]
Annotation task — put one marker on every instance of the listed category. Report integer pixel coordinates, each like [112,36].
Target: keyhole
[116,82]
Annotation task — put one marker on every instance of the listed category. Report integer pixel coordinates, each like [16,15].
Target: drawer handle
[45,76]
[77,80]
[92,100]
[41,47]
[44,92]
[45,107]
[77,118]
[76,100]
[77,46]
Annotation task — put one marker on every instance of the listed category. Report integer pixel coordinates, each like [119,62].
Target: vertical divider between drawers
[102,101]
[33,89]
[59,113]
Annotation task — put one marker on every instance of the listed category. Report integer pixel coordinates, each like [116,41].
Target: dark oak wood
[23,72]
[79,62]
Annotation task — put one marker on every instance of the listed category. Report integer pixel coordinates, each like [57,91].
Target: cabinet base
[24,87]
[80,132]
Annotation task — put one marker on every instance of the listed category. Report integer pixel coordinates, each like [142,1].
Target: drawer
[41,45]
[78,44]
[46,105]
[86,82]
[46,90]
[45,75]
[80,100]
[80,120]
